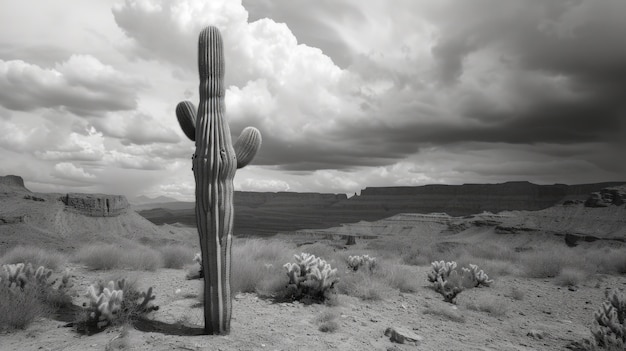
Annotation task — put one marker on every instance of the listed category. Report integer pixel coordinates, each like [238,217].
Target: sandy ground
[557,314]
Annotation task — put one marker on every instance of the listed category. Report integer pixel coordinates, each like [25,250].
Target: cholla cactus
[441,269]
[454,284]
[114,302]
[356,262]
[310,277]
[104,302]
[610,331]
[478,276]
[214,165]
[19,275]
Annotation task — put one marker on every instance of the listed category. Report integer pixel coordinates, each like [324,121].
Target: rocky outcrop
[96,205]
[606,197]
[12,184]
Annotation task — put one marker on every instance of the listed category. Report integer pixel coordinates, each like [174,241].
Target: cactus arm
[186,115]
[247,145]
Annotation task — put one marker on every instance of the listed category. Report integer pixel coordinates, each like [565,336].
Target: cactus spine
[214,164]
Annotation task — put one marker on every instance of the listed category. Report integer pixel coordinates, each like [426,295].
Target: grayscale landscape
[551,266]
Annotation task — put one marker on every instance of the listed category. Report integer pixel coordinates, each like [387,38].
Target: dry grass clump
[363,285]
[571,276]
[399,277]
[606,260]
[176,256]
[257,265]
[20,308]
[494,307]
[326,321]
[109,256]
[447,312]
[35,256]
[547,263]
[517,294]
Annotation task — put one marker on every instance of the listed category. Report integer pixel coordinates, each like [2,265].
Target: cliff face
[11,184]
[466,199]
[96,205]
[270,213]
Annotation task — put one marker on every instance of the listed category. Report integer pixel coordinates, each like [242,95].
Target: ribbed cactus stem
[214,164]
[247,146]
[186,114]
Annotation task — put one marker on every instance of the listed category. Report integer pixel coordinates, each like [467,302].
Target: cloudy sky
[347,94]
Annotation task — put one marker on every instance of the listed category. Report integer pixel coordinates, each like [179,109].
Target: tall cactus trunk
[214,166]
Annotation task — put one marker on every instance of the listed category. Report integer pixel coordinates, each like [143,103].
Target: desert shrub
[176,256]
[26,293]
[310,278]
[609,328]
[326,321]
[570,277]
[257,266]
[20,307]
[35,256]
[363,285]
[116,302]
[446,312]
[428,252]
[109,256]
[494,307]
[543,264]
[397,277]
[517,294]
[607,260]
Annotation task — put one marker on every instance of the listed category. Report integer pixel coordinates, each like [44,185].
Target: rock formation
[96,205]
[606,197]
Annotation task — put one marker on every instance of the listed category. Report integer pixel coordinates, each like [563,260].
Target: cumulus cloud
[135,128]
[82,85]
[69,171]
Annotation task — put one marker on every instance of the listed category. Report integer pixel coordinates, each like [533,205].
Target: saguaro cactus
[214,165]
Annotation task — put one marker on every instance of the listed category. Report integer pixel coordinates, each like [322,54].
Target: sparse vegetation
[494,307]
[543,264]
[326,321]
[446,312]
[109,256]
[27,293]
[176,256]
[35,256]
[517,294]
[570,277]
[363,285]
[258,266]
[20,307]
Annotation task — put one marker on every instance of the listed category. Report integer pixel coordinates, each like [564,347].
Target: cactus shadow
[71,314]
[178,329]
